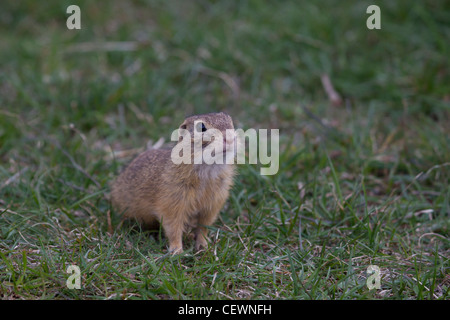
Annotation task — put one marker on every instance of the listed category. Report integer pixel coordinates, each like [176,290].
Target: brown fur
[179,196]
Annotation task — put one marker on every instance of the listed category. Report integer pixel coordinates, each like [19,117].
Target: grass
[362,183]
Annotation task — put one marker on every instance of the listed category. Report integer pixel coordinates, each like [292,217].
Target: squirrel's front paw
[201,243]
[175,249]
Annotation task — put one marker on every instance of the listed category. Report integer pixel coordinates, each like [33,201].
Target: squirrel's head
[210,136]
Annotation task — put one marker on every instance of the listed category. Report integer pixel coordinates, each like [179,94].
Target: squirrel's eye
[201,127]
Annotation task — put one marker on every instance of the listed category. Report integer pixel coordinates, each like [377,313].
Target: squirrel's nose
[228,143]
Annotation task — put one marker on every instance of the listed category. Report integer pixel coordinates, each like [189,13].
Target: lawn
[363,178]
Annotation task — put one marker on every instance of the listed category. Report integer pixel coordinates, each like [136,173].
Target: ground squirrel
[155,189]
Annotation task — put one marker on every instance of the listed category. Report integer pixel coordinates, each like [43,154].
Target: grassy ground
[362,183]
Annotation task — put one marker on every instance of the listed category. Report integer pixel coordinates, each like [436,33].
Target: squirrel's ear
[181,131]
